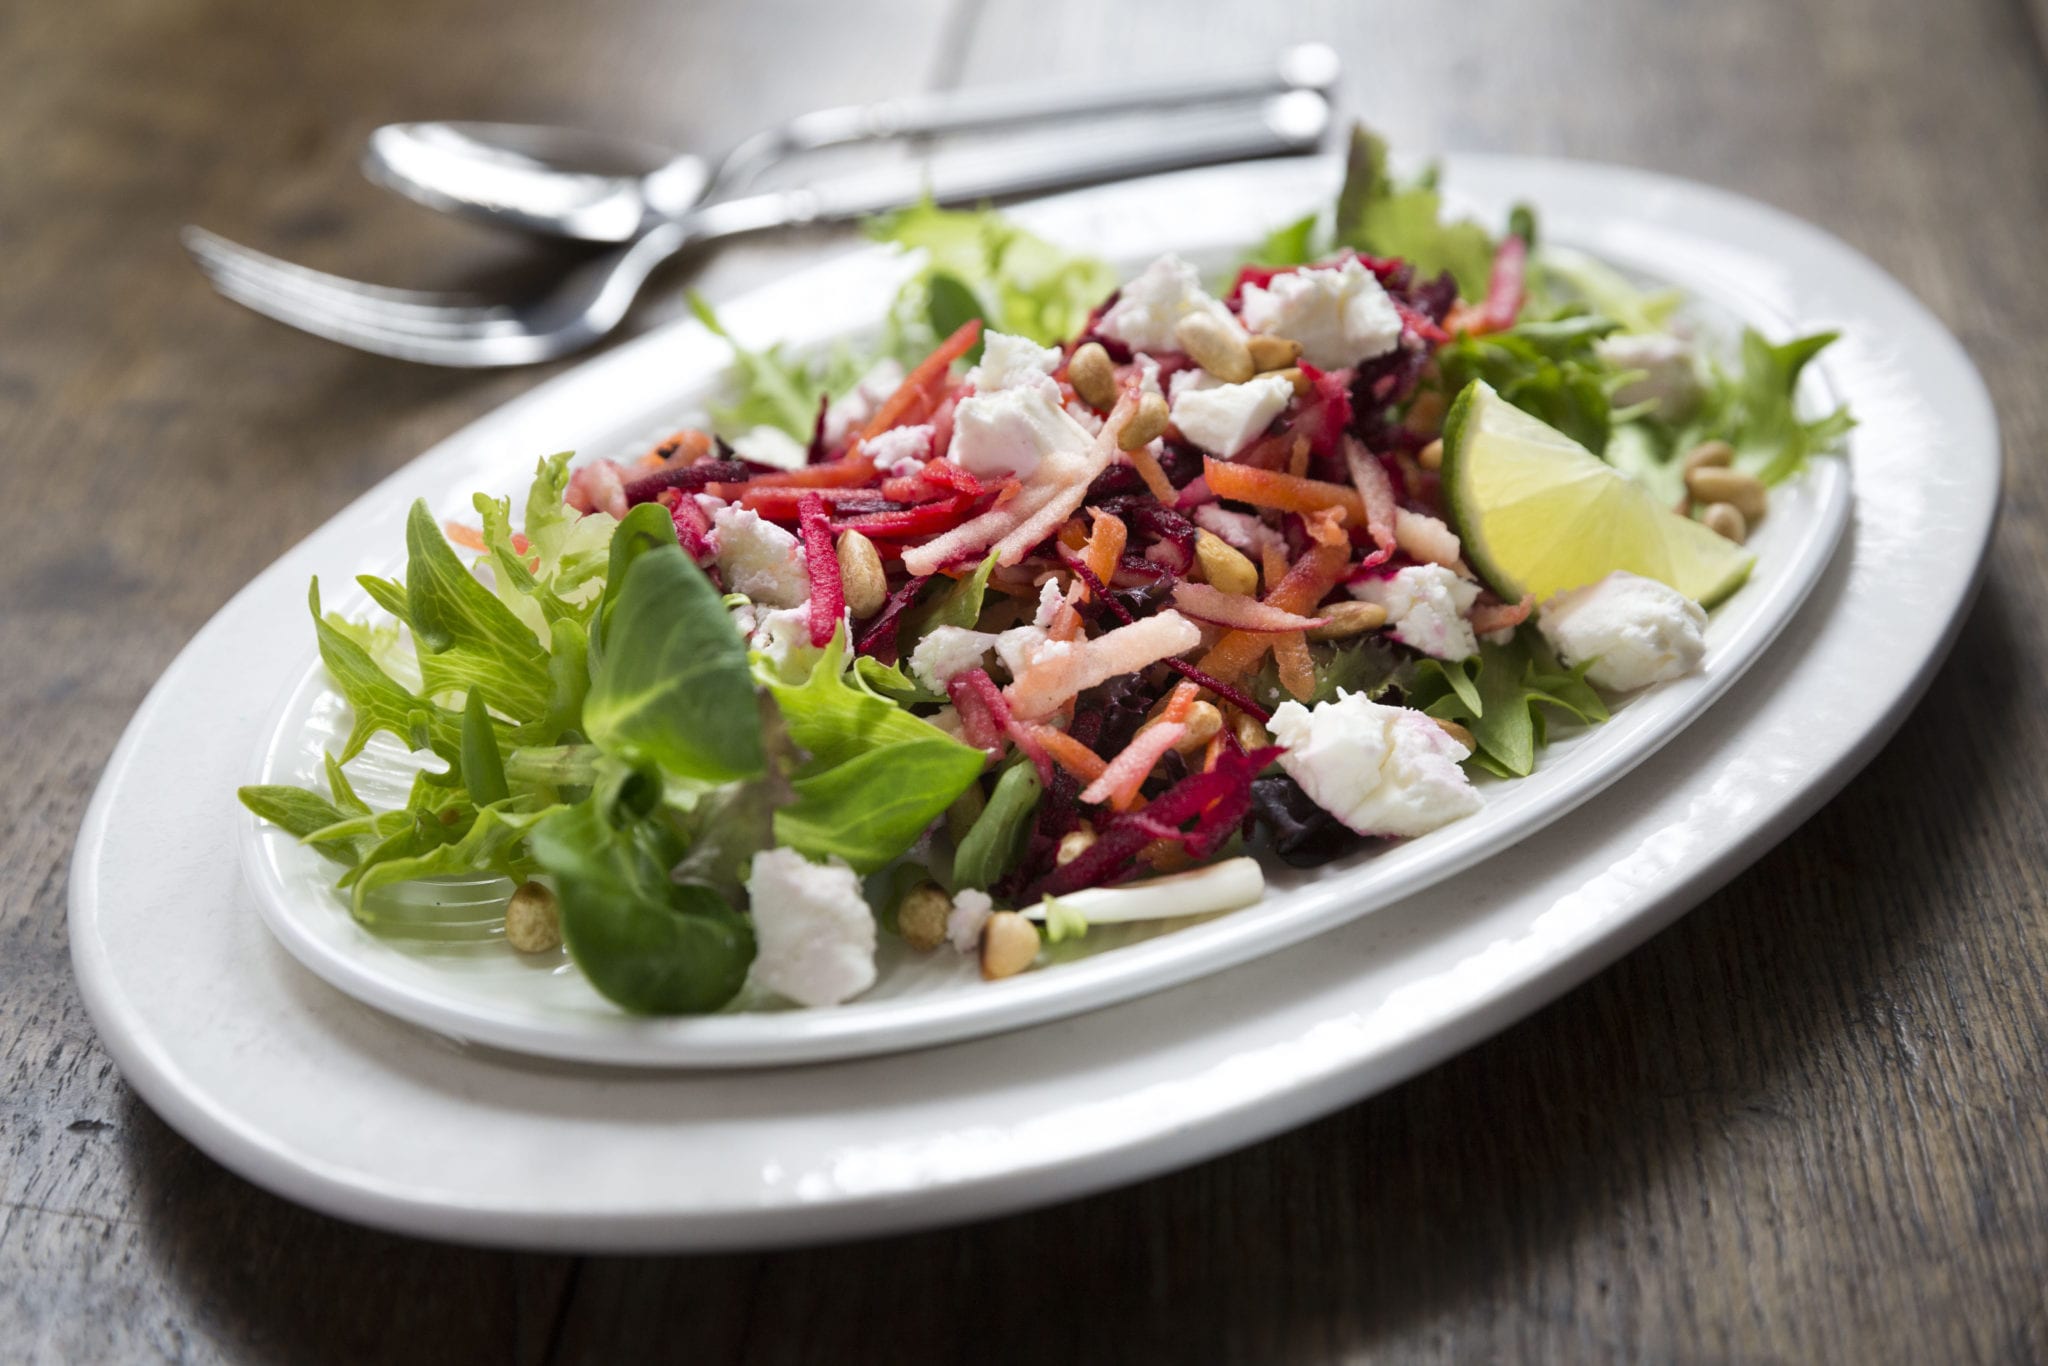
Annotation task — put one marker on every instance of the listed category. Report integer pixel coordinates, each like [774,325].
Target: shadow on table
[1524,1180]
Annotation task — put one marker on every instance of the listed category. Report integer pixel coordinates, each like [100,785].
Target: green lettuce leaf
[467,639]
[1500,696]
[771,388]
[979,264]
[1379,217]
[997,838]
[647,943]
[672,688]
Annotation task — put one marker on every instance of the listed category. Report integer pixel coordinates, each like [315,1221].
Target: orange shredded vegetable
[1069,753]
[1272,489]
[1105,547]
[1297,673]
[918,395]
[1303,586]
[1149,469]
[468,537]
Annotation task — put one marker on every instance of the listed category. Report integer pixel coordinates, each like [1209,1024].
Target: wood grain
[1810,1122]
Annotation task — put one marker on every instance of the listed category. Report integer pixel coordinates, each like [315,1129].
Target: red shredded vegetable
[821,561]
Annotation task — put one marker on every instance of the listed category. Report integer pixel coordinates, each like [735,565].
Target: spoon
[563,182]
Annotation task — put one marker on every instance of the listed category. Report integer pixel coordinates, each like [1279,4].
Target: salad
[1064,606]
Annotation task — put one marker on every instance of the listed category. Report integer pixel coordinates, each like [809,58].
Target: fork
[462,330]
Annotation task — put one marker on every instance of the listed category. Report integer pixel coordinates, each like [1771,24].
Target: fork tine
[217,256]
[366,334]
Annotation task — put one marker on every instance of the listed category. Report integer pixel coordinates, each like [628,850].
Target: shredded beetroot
[693,528]
[1217,801]
[926,519]
[687,478]
[819,453]
[821,561]
[975,692]
[878,637]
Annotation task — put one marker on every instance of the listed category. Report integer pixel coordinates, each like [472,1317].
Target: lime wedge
[1539,513]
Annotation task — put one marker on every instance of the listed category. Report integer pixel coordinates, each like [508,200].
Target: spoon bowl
[561,182]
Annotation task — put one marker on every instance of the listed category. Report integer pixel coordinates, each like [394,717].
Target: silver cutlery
[438,328]
[564,182]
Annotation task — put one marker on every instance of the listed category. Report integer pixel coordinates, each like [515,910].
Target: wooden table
[1810,1122]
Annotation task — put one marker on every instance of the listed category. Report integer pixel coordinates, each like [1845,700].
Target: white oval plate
[310,1094]
[487,993]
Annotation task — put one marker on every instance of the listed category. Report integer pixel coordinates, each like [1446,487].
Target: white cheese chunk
[760,559]
[946,652]
[1225,419]
[1149,309]
[900,450]
[1340,315]
[1668,380]
[814,932]
[1010,431]
[1426,608]
[1381,770]
[1009,362]
[965,922]
[1636,631]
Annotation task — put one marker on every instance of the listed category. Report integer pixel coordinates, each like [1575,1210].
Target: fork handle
[1281,126]
[1308,66]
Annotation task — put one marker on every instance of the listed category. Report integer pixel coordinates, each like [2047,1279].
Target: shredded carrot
[1272,489]
[1297,673]
[1297,459]
[915,398]
[1069,753]
[468,537]
[854,469]
[1179,701]
[1213,752]
[1073,535]
[1305,585]
[1105,546]
[1273,560]
[1119,783]
[1149,469]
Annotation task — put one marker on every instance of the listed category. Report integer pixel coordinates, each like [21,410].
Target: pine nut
[1216,347]
[1074,844]
[1009,943]
[1709,455]
[1145,425]
[1726,521]
[1712,484]
[1431,457]
[1273,353]
[1457,732]
[1344,620]
[1250,734]
[1294,377]
[1202,722]
[1224,565]
[861,577]
[1093,377]
[532,922]
[921,916]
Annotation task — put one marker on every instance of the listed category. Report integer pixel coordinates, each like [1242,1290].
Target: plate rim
[239,1143]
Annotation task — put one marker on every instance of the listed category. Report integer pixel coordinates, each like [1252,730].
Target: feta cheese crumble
[1426,606]
[760,559]
[901,450]
[947,652]
[967,919]
[814,933]
[784,636]
[1149,308]
[1636,631]
[1012,430]
[1340,315]
[1225,419]
[1009,362]
[1668,380]
[1381,770]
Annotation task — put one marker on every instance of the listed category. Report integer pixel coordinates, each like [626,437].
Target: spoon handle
[1309,66]
[1281,126]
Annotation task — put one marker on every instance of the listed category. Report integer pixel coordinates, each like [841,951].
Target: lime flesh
[1539,513]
